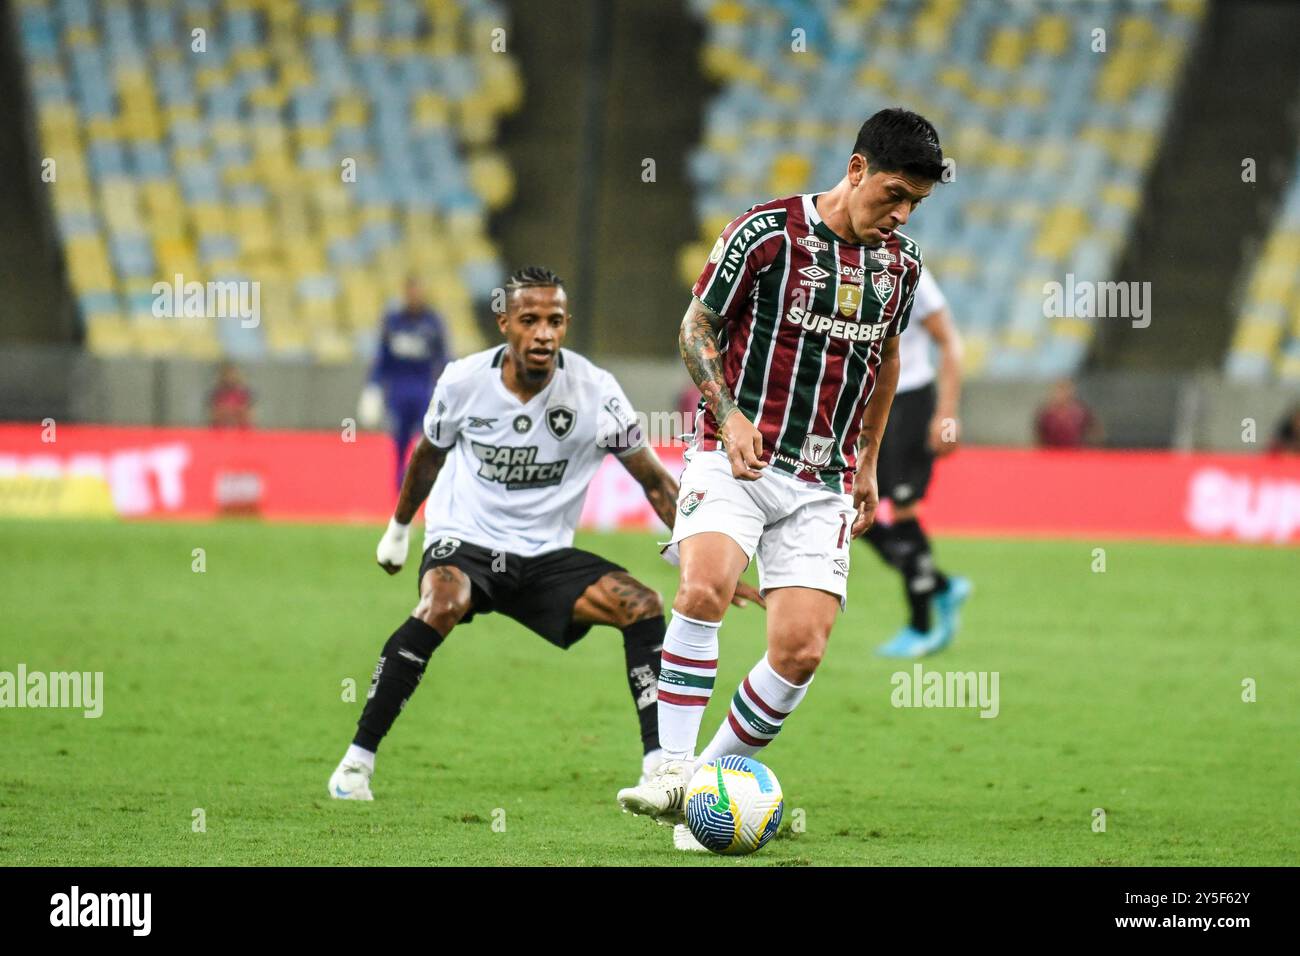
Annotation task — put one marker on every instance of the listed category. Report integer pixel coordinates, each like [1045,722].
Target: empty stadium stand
[215,139]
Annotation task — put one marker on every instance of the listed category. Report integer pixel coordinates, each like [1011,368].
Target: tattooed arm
[659,485]
[421,471]
[698,344]
[426,461]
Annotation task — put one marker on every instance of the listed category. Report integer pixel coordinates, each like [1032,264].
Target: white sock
[689,665]
[357,754]
[651,761]
[760,706]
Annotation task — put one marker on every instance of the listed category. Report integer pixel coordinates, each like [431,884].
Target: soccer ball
[734,805]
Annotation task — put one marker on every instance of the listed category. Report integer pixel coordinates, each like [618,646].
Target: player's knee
[444,603]
[797,659]
[701,600]
[441,614]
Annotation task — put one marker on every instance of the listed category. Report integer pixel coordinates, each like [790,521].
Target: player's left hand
[391,553]
[745,593]
[943,435]
[866,497]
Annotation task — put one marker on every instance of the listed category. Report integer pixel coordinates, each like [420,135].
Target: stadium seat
[230,163]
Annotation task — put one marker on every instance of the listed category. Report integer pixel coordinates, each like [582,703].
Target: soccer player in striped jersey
[792,338]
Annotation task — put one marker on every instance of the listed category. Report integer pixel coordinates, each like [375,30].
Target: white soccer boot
[663,796]
[351,781]
[684,839]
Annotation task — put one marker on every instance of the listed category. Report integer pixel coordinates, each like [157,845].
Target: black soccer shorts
[538,592]
[905,461]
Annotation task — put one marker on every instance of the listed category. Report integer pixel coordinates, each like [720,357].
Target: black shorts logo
[559,421]
[445,548]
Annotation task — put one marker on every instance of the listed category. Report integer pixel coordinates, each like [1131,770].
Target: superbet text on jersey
[805,315]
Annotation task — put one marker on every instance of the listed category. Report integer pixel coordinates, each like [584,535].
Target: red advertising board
[308,476]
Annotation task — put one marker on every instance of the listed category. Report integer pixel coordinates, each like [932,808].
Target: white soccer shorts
[801,532]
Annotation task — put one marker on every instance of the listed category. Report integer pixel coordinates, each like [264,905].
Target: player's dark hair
[531,277]
[900,141]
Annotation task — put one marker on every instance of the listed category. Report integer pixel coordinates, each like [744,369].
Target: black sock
[642,643]
[398,673]
[881,537]
[917,565]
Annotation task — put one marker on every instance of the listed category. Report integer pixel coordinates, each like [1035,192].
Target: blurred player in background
[1286,440]
[792,338]
[512,439]
[412,354]
[922,426]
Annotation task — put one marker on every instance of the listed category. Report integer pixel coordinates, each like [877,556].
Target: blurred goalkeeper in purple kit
[412,354]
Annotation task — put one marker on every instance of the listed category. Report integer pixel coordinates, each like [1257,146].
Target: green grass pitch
[223,692]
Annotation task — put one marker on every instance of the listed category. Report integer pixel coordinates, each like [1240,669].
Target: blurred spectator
[1064,421]
[412,354]
[230,404]
[1286,441]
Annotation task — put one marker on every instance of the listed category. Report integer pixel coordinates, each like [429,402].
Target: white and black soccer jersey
[517,472]
[915,368]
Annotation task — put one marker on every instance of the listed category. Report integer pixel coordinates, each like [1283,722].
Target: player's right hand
[391,553]
[744,444]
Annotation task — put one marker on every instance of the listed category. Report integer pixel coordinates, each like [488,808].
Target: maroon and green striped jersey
[804,317]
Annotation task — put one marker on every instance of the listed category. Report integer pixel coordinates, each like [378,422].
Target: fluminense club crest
[883,283]
[691,501]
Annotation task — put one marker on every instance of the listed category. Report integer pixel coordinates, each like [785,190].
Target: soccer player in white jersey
[792,338]
[922,426]
[512,439]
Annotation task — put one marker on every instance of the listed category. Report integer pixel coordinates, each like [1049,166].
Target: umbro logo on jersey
[814,272]
[480,422]
[813,243]
[559,421]
[523,424]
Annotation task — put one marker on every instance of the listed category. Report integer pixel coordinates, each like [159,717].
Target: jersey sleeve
[909,303]
[442,420]
[617,428]
[747,247]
